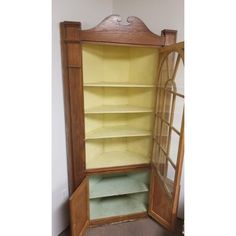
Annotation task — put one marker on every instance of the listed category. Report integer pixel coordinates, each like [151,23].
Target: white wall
[90,13]
[157,15]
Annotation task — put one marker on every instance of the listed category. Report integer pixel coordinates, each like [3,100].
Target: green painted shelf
[117,185]
[116,206]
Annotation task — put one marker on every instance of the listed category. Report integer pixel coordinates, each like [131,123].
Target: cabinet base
[117,219]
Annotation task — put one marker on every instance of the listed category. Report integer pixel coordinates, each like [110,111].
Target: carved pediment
[112,30]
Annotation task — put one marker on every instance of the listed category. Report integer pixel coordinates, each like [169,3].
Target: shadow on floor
[142,227]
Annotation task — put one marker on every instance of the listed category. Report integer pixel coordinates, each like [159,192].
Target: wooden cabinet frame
[109,32]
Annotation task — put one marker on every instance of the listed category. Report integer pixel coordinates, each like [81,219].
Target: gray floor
[142,227]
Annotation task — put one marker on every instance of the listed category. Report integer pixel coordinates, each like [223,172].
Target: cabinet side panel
[73,102]
[77,124]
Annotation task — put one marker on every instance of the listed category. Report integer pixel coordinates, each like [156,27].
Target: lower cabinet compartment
[118,194]
[118,205]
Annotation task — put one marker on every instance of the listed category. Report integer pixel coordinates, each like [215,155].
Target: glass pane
[172,59]
[164,136]
[156,156]
[158,129]
[179,78]
[167,106]
[176,70]
[162,160]
[164,76]
[170,172]
[174,146]
[169,180]
[178,112]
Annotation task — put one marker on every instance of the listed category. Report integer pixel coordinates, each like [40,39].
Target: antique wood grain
[177,47]
[109,220]
[179,167]
[73,103]
[122,44]
[118,169]
[170,36]
[111,30]
[159,202]
[79,209]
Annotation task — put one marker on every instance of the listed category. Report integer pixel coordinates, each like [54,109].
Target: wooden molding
[111,30]
[118,169]
[117,219]
[178,47]
[170,36]
[72,30]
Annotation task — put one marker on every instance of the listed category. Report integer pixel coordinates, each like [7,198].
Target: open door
[79,209]
[168,149]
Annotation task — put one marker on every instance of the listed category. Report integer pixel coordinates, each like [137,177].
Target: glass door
[168,147]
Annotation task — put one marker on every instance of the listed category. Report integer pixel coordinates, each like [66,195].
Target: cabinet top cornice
[112,30]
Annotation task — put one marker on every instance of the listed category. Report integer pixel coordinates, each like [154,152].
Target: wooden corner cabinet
[124,103]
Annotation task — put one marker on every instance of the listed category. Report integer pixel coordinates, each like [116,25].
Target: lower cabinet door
[79,209]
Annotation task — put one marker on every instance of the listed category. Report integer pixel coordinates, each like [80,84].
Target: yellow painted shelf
[119,99]
[117,109]
[117,158]
[116,132]
[119,85]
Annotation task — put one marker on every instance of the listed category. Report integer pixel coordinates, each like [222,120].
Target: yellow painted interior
[119,101]
[118,152]
[103,63]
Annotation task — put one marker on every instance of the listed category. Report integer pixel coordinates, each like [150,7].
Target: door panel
[168,146]
[160,204]
[79,209]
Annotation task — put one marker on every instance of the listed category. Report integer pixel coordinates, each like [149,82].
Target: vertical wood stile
[73,100]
